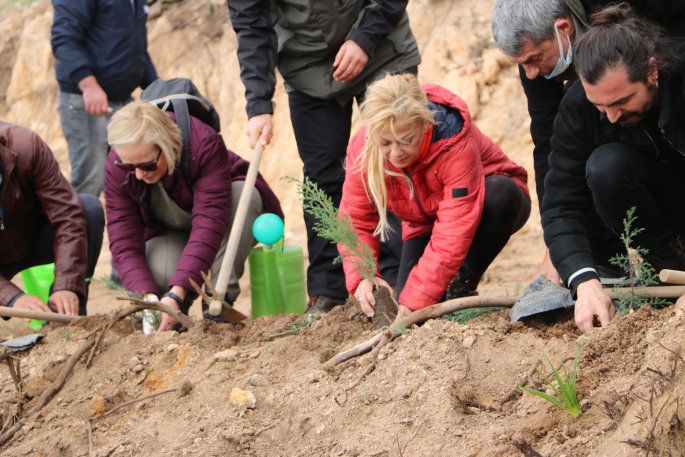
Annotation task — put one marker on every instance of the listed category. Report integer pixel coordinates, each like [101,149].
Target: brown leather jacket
[33,185]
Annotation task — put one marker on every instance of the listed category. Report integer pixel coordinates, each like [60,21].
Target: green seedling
[293,328]
[464,315]
[566,396]
[335,228]
[111,285]
[152,317]
[67,335]
[640,273]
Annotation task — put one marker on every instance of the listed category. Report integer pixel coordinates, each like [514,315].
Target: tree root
[403,322]
[15,370]
[91,345]
[420,316]
[50,391]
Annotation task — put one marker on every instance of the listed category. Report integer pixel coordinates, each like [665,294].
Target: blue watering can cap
[268,228]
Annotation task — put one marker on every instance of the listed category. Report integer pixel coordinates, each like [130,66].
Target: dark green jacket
[302,37]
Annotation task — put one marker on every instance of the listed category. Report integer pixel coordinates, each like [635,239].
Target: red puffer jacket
[449,186]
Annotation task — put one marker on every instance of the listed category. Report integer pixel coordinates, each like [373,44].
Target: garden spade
[543,295]
[217,304]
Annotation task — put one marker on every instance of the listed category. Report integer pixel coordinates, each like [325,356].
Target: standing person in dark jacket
[540,36]
[101,51]
[327,52]
[162,233]
[43,220]
[618,143]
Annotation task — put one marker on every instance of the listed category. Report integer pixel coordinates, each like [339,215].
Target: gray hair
[516,21]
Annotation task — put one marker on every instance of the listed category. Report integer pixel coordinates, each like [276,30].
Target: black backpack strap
[183,122]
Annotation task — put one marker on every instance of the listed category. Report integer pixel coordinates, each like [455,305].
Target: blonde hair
[392,100]
[141,122]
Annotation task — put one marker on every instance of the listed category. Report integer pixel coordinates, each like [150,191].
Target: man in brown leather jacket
[44,220]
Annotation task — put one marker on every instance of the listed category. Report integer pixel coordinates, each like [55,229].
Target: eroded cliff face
[194,39]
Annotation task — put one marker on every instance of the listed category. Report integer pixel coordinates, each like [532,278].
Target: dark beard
[636,117]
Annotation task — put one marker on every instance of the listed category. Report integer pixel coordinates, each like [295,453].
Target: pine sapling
[640,273]
[335,227]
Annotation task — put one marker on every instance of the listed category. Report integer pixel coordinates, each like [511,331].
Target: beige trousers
[163,252]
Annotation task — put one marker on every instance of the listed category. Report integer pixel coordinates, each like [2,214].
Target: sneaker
[463,284]
[322,304]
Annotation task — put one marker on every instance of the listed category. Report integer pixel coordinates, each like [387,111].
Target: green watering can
[37,281]
[276,271]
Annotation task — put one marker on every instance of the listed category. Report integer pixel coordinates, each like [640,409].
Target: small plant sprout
[565,390]
[640,273]
[67,335]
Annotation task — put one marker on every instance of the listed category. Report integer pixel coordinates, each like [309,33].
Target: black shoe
[463,284]
[322,304]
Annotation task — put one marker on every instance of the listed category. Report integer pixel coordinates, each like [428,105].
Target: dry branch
[50,391]
[422,315]
[140,305]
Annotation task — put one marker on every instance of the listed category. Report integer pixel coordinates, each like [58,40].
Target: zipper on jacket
[416,195]
[663,133]
[653,143]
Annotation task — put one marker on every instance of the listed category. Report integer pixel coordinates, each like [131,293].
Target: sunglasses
[145,166]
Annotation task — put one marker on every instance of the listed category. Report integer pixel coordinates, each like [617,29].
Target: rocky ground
[442,389]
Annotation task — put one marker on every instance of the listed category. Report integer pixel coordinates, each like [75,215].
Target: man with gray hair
[539,35]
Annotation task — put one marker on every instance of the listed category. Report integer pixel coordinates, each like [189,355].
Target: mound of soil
[443,389]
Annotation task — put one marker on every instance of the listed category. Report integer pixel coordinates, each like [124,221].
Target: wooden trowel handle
[672,276]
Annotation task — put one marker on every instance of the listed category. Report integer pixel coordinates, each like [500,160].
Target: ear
[653,72]
[565,25]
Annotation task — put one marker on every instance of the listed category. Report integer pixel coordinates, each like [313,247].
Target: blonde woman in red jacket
[460,198]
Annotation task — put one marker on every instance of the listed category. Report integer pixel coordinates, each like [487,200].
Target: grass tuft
[566,396]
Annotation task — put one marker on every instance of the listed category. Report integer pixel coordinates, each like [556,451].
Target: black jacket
[103,38]
[545,95]
[302,37]
[579,129]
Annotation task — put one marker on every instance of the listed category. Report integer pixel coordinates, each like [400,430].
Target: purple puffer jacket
[129,218]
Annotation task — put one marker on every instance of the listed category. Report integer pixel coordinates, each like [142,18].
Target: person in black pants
[540,36]
[327,52]
[618,143]
[460,198]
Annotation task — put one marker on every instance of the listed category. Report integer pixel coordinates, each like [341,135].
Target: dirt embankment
[443,390]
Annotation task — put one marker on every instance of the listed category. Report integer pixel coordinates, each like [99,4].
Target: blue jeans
[86,137]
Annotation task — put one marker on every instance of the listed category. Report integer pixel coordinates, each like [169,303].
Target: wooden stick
[422,315]
[42,316]
[216,305]
[654,291]
[672,276]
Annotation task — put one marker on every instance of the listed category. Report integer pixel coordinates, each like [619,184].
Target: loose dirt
[443,389]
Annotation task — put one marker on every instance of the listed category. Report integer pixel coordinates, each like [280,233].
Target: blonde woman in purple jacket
[165,227]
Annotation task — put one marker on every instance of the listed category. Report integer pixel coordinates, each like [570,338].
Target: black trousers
[43,251]
[505,211]
[322,130]
[621,177]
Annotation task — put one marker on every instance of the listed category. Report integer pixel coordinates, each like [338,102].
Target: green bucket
[37,281]
[277,280]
